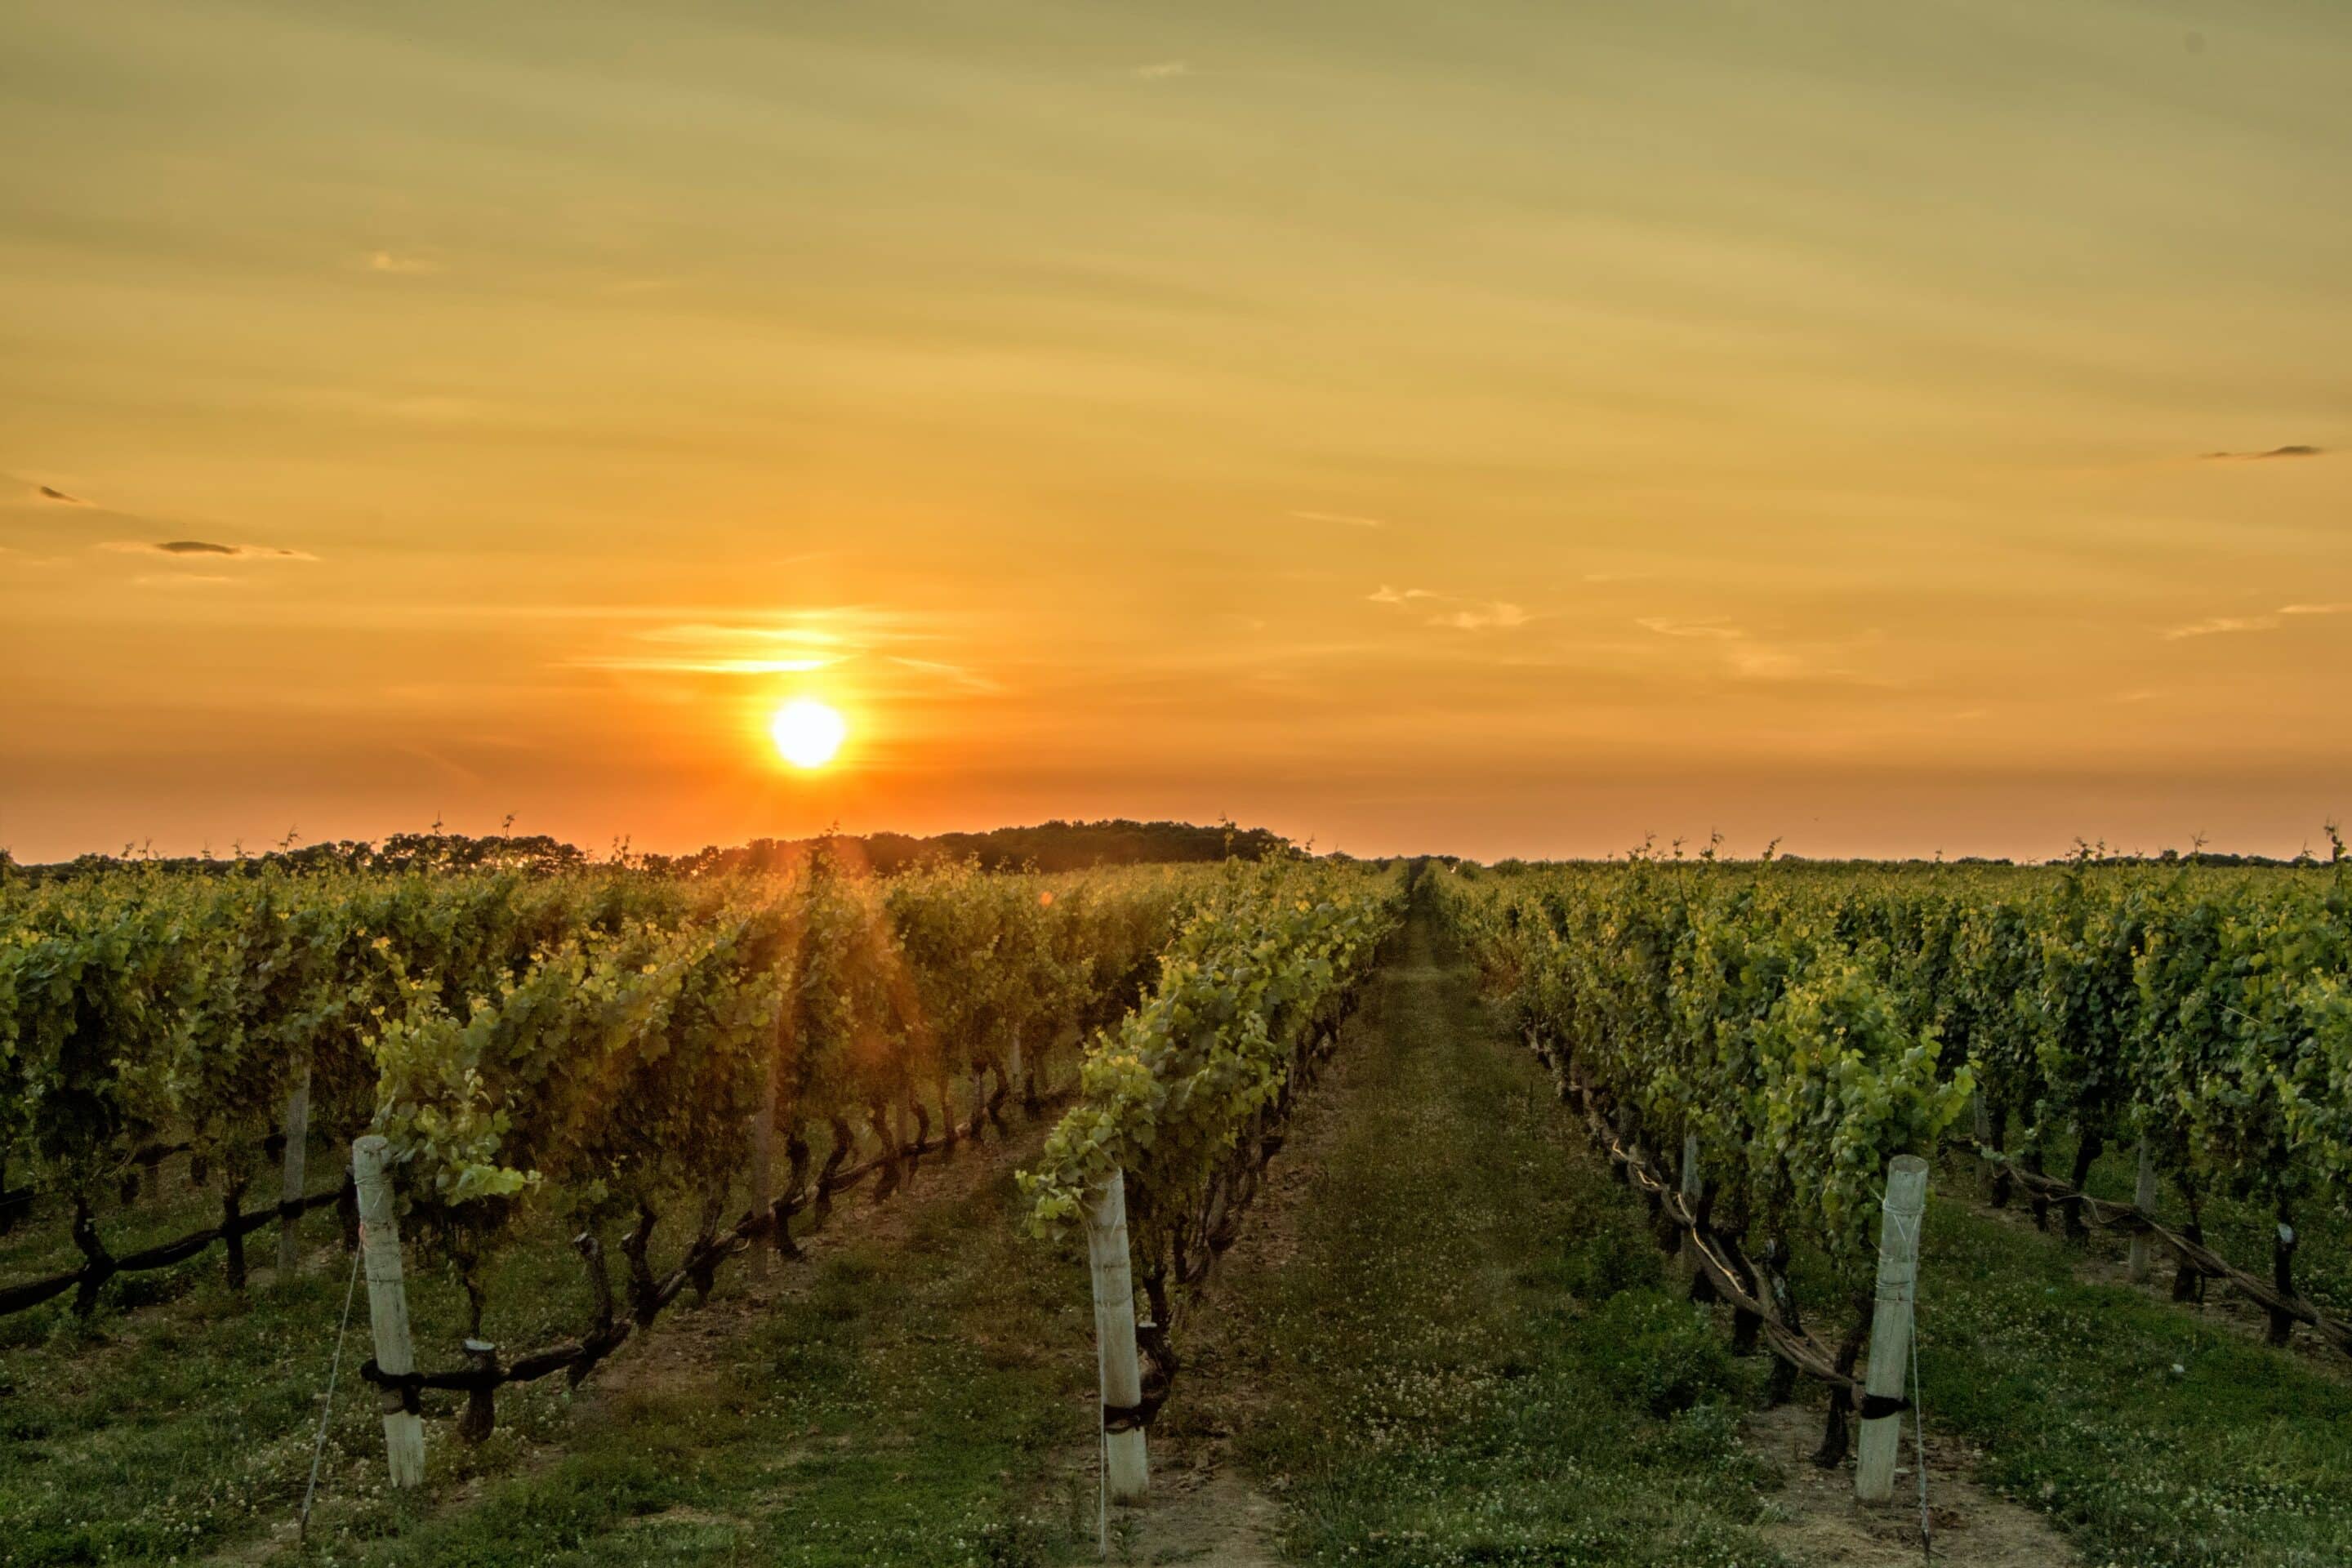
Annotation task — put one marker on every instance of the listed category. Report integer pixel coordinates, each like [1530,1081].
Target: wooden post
[481,1415]
[1126,1470]
[1890,1322]
[289,1186]
[763,1189]
[404,1430]
[2144,1199]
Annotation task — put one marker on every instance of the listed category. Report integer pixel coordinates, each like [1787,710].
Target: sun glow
[807,732]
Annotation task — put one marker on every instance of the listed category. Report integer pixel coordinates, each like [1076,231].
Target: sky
[1491,428]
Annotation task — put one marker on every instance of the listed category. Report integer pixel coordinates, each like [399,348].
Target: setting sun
[807,732]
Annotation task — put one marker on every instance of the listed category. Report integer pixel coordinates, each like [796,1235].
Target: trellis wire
[327,1405]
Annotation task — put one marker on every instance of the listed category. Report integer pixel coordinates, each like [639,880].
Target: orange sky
[1488,429]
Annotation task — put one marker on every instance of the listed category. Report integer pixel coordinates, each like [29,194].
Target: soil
[1817,1519]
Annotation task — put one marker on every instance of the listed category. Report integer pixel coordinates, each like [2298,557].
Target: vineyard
[568,1103]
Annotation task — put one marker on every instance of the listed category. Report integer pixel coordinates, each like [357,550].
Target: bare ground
[1816,1520]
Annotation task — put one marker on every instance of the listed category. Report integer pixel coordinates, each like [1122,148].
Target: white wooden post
[1890,1322]
[1126,1471]
[763,1191]
[2144,1200]
[289,1187]
[404,1433]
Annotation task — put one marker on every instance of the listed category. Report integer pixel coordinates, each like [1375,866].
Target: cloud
[1163,70]
[2218,625]
[1669,629]
[1474,616]
[207,547]
[1340,517]
[48,493]
[404,266]
[680,664]
[797,642]
[955,672]
[1745,657]
[1758,662]
[1484,618]
[2294,452]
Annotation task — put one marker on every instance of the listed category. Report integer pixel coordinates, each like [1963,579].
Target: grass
[891,1405]
[2153,1434]
[905,1405]
[1475,1356]
[1464,1348]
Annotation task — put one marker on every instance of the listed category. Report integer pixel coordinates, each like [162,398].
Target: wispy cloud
[207,548]
[1163,70]
[957,673]
[50,492]
[1666,628]
[2222,625]
[684,664]
[1493,615]
[1349,519]
[1472,616]
[2269,621]
[1743,653]
[405,264]
[796,642]
[2294,452]
[1758,661]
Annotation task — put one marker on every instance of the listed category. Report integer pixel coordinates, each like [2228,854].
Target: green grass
[2153,1435]
[1475,1356]
[181,1415]
[905,1405]
[893,1405]
[1468,1350]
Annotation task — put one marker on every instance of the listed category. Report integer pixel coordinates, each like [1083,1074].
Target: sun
[808,732]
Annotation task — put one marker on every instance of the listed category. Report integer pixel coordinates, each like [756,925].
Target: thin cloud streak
[1498,614]
[2271,621]
[395,263]
[1476,615]
[955,672]
[1671,629]
[1349,519]
[2297,450]
[206,549]
[684,665]
[1742,653]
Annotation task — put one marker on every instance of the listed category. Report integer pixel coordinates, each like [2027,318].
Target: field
[1415,1158]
